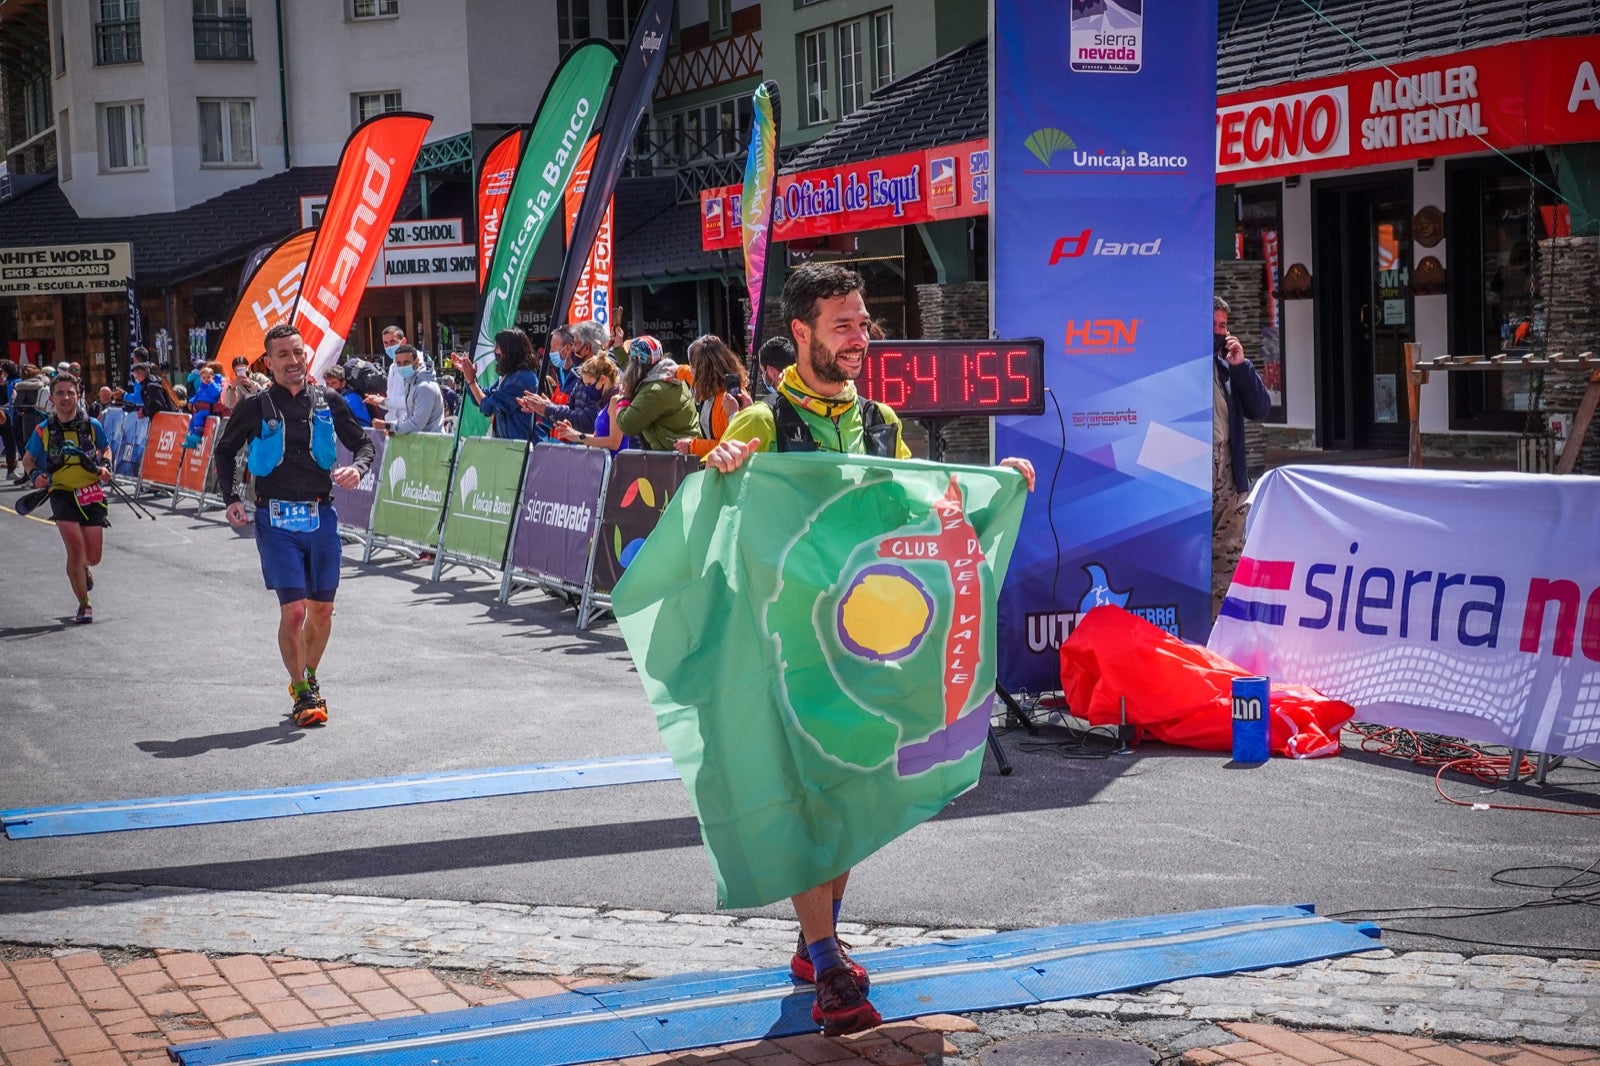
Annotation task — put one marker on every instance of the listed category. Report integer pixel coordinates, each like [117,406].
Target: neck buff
[794,390]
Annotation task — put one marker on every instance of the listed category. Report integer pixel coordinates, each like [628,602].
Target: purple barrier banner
[559,516]
[355,505]
[641,485]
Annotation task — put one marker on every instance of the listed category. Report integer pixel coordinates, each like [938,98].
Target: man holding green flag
[817,409]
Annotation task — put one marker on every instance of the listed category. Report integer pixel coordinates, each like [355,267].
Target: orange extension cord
[1447,754]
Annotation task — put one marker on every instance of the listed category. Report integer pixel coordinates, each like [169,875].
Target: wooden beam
[1414,379]
[1580,426]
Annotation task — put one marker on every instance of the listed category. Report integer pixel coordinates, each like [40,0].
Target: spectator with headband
[656,409]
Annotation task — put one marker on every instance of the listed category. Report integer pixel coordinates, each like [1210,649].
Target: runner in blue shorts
[292,430]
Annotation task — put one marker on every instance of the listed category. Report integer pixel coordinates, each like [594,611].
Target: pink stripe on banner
[1264,573]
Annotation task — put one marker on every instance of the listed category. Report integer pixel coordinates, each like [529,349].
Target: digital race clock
[944,379]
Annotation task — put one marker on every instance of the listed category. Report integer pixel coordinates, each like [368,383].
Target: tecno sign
[1286,129]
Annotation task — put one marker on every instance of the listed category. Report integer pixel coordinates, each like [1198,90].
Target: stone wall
[1569,310]
[955,311]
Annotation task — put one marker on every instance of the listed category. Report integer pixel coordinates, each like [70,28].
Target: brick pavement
[84,1008]
[103,973]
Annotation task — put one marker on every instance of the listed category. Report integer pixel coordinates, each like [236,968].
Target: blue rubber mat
[117,815]
[702,1010]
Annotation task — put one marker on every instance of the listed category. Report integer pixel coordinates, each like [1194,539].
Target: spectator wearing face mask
[393,407]
[583,403]
[424,406]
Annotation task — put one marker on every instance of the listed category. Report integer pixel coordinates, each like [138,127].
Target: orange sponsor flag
[591,300]
[373,171]
[494,189]
[267,300]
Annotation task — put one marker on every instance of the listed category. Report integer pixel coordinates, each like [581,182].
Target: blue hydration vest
[266,452]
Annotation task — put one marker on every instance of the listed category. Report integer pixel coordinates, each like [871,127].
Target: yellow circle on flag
[884,614]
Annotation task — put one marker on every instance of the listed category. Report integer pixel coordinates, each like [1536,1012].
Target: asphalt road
[177,689]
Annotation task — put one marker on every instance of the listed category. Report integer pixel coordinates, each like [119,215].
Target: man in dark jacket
[1237,394]
[291,430]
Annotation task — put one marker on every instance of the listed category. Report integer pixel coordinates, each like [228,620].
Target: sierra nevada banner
[1434,601]
[816,634]
[1104,231]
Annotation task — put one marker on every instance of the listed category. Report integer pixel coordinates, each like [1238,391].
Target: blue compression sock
[824,954]
[838,904]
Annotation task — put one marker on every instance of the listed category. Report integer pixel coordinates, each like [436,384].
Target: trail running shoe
[801,967]
[309,710]
[841,1007]
[84,616]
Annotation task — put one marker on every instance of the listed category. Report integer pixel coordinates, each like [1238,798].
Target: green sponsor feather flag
[816,635]
[560,126]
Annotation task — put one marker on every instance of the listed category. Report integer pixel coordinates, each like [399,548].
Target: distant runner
[291,430]
[70,456]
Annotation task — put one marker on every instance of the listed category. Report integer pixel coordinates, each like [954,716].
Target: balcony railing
[664,152]
[223,37]
[117,42]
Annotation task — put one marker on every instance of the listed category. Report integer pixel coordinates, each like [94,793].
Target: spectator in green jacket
[657,407]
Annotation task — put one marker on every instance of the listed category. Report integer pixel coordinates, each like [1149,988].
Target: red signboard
[896,190]
[1506,96]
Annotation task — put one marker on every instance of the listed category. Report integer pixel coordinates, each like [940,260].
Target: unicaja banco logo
[1048,142]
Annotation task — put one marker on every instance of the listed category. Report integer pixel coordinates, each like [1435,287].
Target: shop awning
[172,246]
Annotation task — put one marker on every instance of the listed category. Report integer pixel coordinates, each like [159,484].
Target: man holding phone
[1236,394]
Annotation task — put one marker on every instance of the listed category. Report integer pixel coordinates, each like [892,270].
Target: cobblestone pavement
[101,973]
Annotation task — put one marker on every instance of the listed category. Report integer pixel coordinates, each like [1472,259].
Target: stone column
[1568,308]
[957,311]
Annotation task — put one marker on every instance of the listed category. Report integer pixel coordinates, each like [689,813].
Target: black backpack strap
[790,432]
[879,436]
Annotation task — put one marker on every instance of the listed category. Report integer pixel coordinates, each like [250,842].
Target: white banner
[445,265]
[1462,604]
[65,268]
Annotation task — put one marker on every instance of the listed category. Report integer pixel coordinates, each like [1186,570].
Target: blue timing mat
[672,1014]
[117,815]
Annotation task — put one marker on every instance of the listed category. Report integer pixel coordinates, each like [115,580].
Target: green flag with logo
[483,497]
[411,487]
[562,124]
[816,634]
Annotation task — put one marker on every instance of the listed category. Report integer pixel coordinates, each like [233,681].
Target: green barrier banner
[411,487]
[483,497]
[816,634]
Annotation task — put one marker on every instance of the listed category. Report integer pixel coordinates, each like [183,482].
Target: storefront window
[1258,237]
[1495,217]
